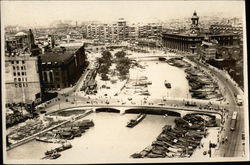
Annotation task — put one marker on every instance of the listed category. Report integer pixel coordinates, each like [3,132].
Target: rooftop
[20,34]
[57,57]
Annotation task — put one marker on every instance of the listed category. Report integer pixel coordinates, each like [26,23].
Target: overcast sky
[44,12]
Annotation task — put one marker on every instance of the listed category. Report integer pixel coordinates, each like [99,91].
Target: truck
[233,121]
[239,100]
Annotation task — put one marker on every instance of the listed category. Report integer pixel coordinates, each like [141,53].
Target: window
[17,62]
[12,62]
[23,62]
[22,73]
[18,73]
[21,67]
[24,84]
[26,79]
[14,79]
[19,79]
[56,73]
[24,67]
[14,67]
[16,85]
[17,67]
[14,73]
[20,85]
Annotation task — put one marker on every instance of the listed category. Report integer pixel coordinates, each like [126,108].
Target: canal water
[159,71]
[109,140]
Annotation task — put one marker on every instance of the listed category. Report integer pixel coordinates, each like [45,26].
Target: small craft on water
[134,122]
[167,84]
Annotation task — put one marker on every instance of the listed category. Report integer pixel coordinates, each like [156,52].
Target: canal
[109,140]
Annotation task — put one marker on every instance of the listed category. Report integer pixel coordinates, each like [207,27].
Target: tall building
[22,82]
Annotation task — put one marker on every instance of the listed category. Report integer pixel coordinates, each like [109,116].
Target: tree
[123,66]
[104,63]
[120,54]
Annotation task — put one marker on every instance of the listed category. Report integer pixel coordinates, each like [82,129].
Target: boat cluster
[29,128]
[180,141]
[202,85]
[66,132]
[178,62]
[138,86]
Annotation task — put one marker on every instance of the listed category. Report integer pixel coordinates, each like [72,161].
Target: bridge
[152,109]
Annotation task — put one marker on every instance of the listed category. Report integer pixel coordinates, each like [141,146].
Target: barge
[133,122]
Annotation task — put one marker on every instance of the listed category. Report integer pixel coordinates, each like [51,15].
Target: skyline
[45,13]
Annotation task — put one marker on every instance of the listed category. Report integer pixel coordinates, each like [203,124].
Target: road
[234,147]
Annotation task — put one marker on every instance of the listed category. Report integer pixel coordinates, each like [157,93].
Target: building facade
[62,68]
[189,41]
[208,49]
[22,82]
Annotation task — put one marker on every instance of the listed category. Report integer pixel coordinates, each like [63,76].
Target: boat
[134,122]
[59,149]
[162,59]
[49,140]
[167,84]
[54,155]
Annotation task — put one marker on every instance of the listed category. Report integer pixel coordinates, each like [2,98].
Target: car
[42,112]
[243,136]
[161,104]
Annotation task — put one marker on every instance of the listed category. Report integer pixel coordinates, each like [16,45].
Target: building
[22,42]
[150,31]
[62,67]
[208,49]
[123,29]
[189,41]
[22,82]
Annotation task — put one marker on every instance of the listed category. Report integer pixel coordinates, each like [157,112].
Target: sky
[42,13]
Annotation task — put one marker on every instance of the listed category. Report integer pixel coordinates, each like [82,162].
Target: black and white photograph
[96,82]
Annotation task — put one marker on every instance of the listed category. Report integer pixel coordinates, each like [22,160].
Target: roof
[56,57]
[20,34]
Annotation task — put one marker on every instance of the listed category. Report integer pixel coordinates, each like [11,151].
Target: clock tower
[194,29]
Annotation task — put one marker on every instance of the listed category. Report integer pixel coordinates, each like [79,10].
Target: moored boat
[134,122]
[59,149]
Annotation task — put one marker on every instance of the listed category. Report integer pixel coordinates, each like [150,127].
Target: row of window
[19,79]
[17,67]
[19,73]
[17,62]
[20,85]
